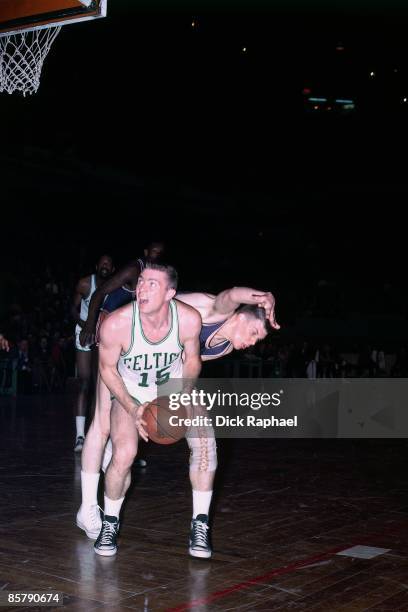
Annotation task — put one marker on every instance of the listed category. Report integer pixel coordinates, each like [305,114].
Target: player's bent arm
[128,274]
[190,327]
[228,301]
[112,341]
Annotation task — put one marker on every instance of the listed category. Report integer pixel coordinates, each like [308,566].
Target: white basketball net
[21,59]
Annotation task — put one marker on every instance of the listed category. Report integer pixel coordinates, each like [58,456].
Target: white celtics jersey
[147,365]
[85,303]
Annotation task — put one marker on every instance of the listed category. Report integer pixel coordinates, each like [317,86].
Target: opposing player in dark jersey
[118,291]
[84,291]
[236,318]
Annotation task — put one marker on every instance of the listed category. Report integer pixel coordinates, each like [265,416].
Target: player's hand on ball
[140,422]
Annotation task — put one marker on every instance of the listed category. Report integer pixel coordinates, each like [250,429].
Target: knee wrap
[203,454]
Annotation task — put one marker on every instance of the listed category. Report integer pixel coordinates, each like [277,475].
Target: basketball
[158,425]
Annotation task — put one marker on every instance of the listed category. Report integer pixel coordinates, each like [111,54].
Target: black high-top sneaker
[105,544]
[200,537]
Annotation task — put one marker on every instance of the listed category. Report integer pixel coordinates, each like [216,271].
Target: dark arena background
[265,144]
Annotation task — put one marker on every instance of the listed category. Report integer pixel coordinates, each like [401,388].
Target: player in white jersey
[142,345]
[84,290]
[224,326]
[149,364]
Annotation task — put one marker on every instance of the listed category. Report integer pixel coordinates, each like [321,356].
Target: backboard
[21,15]
[27,30]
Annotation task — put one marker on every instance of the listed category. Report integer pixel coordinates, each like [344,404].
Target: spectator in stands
[4,345]
[326,365]
[57,363]
[400,368]
[42,366]
[24,368]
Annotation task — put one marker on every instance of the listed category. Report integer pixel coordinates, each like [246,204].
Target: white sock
[80,426]
[113,506]
[89,486]
[201,502]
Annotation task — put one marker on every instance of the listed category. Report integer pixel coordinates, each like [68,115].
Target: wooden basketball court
[283,511]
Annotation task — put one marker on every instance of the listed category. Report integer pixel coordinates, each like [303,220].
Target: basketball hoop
[27,32]
[22,56]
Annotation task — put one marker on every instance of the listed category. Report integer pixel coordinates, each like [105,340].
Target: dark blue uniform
[207,331]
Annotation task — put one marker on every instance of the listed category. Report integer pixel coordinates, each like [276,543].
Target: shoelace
[108,532]
[200,533]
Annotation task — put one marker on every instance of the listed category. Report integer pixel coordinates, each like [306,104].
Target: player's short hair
[171,272]
[256,312]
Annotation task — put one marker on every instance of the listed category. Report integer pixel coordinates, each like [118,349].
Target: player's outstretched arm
[229,300]
[128,274]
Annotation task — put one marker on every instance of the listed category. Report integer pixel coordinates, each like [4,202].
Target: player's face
[152,290]
[104,267]
[154,252]
[247,332]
